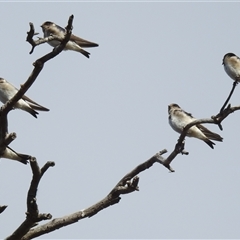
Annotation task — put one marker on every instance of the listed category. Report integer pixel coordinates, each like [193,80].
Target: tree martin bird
[7,91]
[231,64]
[178,119]
[11,154]
[75,43]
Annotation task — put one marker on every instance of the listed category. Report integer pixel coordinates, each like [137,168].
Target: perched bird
[11,154]
[178,119]
[231,64]
[75,43]
[7,91]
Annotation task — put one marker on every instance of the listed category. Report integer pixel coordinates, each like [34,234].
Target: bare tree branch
[30,35]
[9,138]
[32,214]
[3,126]
[128,184]
[3,131]
[6,139]
[35,43]
[230,95]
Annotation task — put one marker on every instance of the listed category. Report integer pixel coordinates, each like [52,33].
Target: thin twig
[230,95]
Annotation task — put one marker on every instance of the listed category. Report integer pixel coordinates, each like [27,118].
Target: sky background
[109,113]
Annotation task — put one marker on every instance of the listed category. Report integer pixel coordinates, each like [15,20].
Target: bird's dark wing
[32,103]
[82,42]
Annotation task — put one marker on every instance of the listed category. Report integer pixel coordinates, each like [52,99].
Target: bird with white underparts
[231,63]
[178,119]
[9,153]
[7,91]
[75,43]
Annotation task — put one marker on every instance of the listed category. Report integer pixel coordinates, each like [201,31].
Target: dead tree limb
[32,215]
[128,184]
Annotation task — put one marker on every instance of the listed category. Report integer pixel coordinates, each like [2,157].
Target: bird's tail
[33,104]
[209,143]
[75,47]
[32,112]
[9,153]
[211,135]
[30,108]
[23,158]
[85,53]
[38,107]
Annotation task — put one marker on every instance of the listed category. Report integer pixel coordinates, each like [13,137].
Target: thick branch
[128,184]
[4,142]
[3,128]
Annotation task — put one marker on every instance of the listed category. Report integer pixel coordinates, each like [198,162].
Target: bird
[231,63]
[75,43]
[178,119]
[9,153]
[7,91]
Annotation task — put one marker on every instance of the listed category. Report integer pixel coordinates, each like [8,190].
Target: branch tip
[33,159]
[163,152]
[183,152]
[50,164]
[44,216]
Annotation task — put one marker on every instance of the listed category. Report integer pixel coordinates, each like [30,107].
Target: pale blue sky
[109,113]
